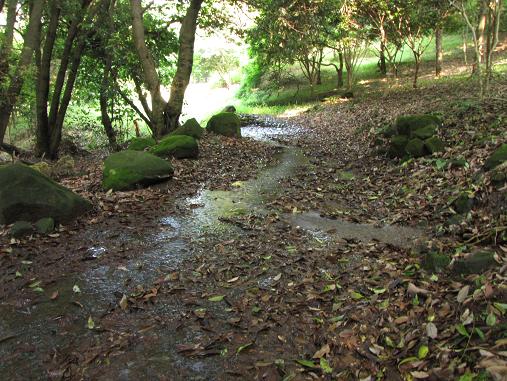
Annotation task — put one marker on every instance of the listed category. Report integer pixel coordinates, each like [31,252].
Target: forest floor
[273,261]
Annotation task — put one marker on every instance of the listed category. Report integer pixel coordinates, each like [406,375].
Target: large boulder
[28,195]
[128,170]
[191,128]
[177,146]
[141,143]
[226,124]
[408,124]
[498,157]
[475,263]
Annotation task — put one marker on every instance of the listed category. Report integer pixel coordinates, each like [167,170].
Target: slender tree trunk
[104,97]
[43,78]
[340,72]
[151,77]
[383,64]
[438,51]
[31,42]
[184,66]
[465,46]
[417,67]
[8,39]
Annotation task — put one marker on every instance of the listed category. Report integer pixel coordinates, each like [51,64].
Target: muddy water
[38,329]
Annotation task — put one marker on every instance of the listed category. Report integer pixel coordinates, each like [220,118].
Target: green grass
[262,102]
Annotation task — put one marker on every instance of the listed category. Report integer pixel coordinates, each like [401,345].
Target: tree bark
[417,67]
[43,77]
[439,56]
[103,99]
[31,42]
[383,64]
[481,30]
[151,77]
[184,67]
[8,39]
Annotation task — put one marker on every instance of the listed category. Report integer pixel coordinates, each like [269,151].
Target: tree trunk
[383,64]
[184,66]
[104,90]
[151,78]
[481,30]
[340,72]
[417,67]
[8,39]
[438,51]
[43,77]
[31,42]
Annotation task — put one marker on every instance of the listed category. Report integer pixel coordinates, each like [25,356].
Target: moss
[407,124]
[476,263]
[415,148]
[497,158]
[190,128]
[425,132]
[128,169]
[45,225]
[434,144]
[463,204]
[177,146]
[226,124]
[43,168]
[21,229]
[26,194]
[435,262]
[140,144]
[397,147]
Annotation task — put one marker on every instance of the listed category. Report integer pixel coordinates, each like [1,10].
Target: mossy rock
[229,108]
[434,144]
[65,166]
[28,195]
[190,128]
[458,163]
[45,225]
[128,170]
[177,146]
[141,143]
[476,263]
[499,175]
[435,262]
[389,131]
[43,168]
[425,132]
[407,124]
[463,204]
[397,146]
[21,229]
[415,148]
[498,157]
[226,124]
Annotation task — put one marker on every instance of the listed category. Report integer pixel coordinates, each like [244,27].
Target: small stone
[498,157]
[21,229]
[435,262]
[475,263]
[226,124]
[229,108]
[457,163]
[141,143]
[463,204]
[45,225]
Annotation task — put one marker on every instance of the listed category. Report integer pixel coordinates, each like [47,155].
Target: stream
[36,329]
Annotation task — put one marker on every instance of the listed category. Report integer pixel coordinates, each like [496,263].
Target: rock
[26,194]
[21,229]
[191,128]
[347,95]
[498,157]
[45,225]
[128,169]
[434,144]
[226,124]
[177,146]
[499,174]
[389,131]
[458,163]
[65,166]
[229,108]
[141,143]
[435,262]
[425,132]
[406,124]
[5,157]
[415,148]
[397,147]
[475,263]
[43,168]
[463,204]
